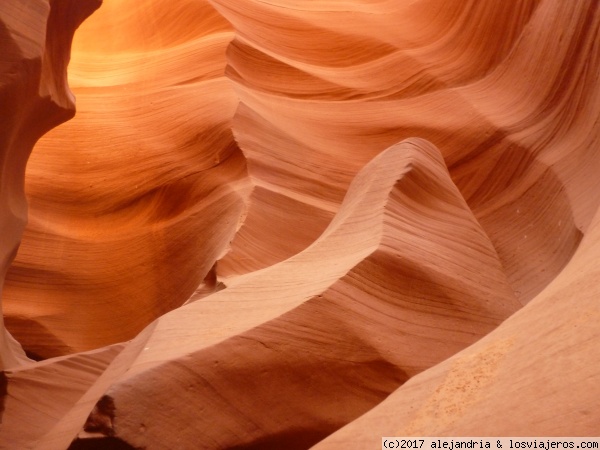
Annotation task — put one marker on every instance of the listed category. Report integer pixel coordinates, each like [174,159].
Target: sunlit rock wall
[290,224]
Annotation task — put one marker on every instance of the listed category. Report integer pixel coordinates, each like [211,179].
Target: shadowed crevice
[109,443]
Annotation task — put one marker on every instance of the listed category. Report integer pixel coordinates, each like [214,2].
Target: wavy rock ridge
[369,282]
[375,305]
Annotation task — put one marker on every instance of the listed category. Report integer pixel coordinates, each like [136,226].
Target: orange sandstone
[294,224]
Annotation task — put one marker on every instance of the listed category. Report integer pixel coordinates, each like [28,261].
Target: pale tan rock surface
[402,197]
[533,376]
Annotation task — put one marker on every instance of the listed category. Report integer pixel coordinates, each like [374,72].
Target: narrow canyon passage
[293,224]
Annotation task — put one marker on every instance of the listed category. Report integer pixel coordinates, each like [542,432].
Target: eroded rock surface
[294,224]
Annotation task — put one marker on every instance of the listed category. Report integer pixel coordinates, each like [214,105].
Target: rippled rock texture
[295,224]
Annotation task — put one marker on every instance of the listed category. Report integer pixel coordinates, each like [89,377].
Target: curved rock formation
[394,302]
[540,359]
[35,42]
[293,224]
[133,201]
[316,109]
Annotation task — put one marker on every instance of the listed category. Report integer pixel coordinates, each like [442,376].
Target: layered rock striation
[294,224]
[35,41]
